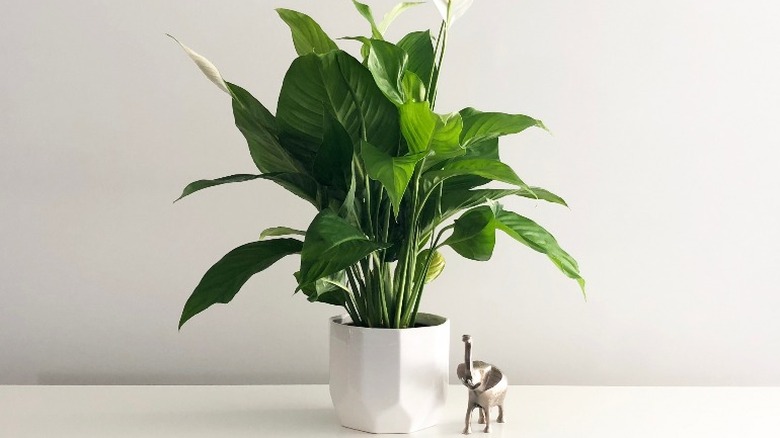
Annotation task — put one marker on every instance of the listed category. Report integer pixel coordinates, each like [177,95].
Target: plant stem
[360,307]
[429,90]
[441,59]
[369,218]
[417,296]
[378,271]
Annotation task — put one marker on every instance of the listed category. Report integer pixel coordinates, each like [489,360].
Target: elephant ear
[492,378]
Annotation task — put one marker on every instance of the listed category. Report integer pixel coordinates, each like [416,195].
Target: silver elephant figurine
[487,388]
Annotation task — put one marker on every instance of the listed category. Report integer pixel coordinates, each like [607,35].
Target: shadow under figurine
[487,388]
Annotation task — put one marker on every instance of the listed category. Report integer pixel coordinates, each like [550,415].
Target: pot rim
[434,321]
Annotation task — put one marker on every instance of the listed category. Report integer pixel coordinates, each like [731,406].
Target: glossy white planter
[389,380]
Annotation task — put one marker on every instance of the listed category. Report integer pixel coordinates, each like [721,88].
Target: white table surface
[305,411]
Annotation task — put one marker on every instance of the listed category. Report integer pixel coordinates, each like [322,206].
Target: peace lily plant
[359,139]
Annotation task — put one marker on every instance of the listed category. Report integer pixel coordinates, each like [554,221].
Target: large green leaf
[393,172]
[297,183]
[308,36]
[453,201]
[223,280]
[331,289]
[303,102]
[456,200]
[365,11]
[301,185]
[474,235]
[252,119]
[489,169]
[445,143]
[542,194]
[332,244]
[531,234]
[418,125]
[419,47]
[259,128]
[479,126]
[486,150]
[413,87]
[339,84]
[333,163]
[378,115]
[206,183]
[387,64]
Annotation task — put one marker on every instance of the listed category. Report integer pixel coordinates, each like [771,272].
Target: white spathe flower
[457,9]
[208,69]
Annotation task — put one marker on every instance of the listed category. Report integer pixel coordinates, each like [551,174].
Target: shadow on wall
[173,379]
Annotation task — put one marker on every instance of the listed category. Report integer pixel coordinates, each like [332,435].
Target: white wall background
[665,117]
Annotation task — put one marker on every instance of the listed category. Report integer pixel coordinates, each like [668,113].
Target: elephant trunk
[469,363]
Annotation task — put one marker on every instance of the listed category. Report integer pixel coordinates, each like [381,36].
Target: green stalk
[350,307]
[369,215]
[441,56]
[411,255]
[431,84]
[360,307]
[417,297]
[379,280]
[371,292]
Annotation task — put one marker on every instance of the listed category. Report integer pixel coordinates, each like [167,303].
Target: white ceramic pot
[389,380]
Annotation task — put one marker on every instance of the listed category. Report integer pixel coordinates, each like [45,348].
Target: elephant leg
[487,419]
[481,415]
[469,410]
[500,413]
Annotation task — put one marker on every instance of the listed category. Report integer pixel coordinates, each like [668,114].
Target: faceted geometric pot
[389,380]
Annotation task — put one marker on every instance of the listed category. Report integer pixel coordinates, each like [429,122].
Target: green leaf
[223,280]
[413,87]
[479,126]
[419,47]
[206,183]
[394,173]
[544,195]
[258,126]
[281,231]
[436,267]
[489,169]
[350,209]
[445,142]
[394,13]
[486,150]
[474,235]
[308,36]
[365,11]
[333,163]
[331,245]
[329,290]
[532,235]
[456,200]
[252,119]
[339,84]
[297,183]
[418,125]
[387,64]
